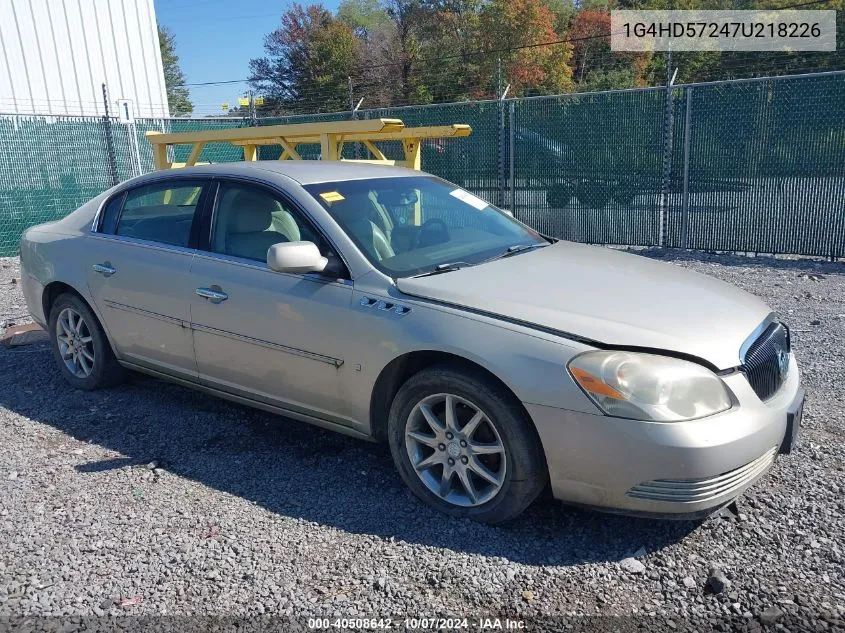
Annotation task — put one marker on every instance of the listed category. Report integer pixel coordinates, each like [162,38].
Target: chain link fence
[750,165]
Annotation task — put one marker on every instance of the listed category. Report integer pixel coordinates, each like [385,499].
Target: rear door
[138,268]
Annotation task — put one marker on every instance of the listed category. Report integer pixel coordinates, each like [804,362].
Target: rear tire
[80,346]
[484,461]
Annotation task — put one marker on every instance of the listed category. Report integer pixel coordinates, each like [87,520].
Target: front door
[260,334]
[138,266]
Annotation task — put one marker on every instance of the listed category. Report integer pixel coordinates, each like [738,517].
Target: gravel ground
[153,499]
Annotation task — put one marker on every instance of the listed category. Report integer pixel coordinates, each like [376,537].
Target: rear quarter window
[162,212]
[110,214]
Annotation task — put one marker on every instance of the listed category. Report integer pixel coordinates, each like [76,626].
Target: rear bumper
[33,291]
[679,469]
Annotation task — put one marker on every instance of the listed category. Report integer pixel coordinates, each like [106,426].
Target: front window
[248,220]
[415,225]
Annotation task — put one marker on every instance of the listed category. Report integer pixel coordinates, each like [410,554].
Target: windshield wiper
[443,268]
[516,248]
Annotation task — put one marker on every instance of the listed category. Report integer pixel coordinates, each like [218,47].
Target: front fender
[531,364]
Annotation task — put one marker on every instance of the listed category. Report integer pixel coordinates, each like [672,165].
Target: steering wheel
[433,231]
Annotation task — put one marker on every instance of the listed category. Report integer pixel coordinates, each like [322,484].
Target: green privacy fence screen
[750,165]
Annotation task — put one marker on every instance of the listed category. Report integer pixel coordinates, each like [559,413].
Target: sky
[215,39]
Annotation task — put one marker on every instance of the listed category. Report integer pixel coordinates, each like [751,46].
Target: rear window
[162,212]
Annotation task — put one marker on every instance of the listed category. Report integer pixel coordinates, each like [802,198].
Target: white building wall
[56,54]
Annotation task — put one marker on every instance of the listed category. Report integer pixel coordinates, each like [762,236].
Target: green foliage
[400,52]
[608,80]
[178,96]
[364,17]
[309,60]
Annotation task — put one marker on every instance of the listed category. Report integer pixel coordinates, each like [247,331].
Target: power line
[227,18]
[480,52]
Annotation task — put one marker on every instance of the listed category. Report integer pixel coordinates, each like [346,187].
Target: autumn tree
[178,97]
[519,33]
[308,61]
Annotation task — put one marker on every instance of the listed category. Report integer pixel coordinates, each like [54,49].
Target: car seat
[355,214]
[250,224]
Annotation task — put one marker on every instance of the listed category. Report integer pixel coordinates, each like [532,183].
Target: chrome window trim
[96,223]
[151,178]
[134,241]
[262,266]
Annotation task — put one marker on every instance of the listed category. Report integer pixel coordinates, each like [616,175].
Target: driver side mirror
[295,257]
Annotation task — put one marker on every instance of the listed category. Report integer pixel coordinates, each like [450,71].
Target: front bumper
[674,469]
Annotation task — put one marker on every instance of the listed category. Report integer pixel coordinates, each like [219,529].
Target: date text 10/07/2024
[410,624]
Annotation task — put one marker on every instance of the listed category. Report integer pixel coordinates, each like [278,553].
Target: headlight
[649,387]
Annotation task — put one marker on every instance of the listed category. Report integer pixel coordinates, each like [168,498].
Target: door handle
[215,296]
[105,270]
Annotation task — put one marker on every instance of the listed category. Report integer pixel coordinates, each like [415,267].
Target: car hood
[606,296]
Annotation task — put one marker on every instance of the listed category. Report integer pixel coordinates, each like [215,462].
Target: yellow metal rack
[330,136]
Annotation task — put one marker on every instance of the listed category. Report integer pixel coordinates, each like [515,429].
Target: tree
[178,96]
[590,33]
[450,30]
[364,17]
[517,33]
[309,60]
[564,11]
[406,49]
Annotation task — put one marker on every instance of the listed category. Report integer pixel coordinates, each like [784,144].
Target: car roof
[305,172]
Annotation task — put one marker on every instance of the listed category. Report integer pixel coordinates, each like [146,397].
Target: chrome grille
[766,362]
[696,490]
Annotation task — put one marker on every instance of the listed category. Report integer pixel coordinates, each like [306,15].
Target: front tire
[80,347]
[465,446]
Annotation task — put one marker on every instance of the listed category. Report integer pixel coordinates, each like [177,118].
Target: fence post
[109,138]
[511,117]
[501,200]
[668,128]
[502,141]
[687,118]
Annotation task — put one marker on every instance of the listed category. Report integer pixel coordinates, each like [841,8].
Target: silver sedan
[394,306]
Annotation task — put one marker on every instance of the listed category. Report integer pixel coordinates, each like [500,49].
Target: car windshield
[421,224]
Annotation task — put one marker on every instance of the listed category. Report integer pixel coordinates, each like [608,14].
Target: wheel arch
[401,368]
[53,290]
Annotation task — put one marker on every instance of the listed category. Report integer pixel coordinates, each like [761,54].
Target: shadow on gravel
[812,266]
[297,470]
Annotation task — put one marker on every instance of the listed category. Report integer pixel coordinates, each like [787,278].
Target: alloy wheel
[455,450]
[76,345]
